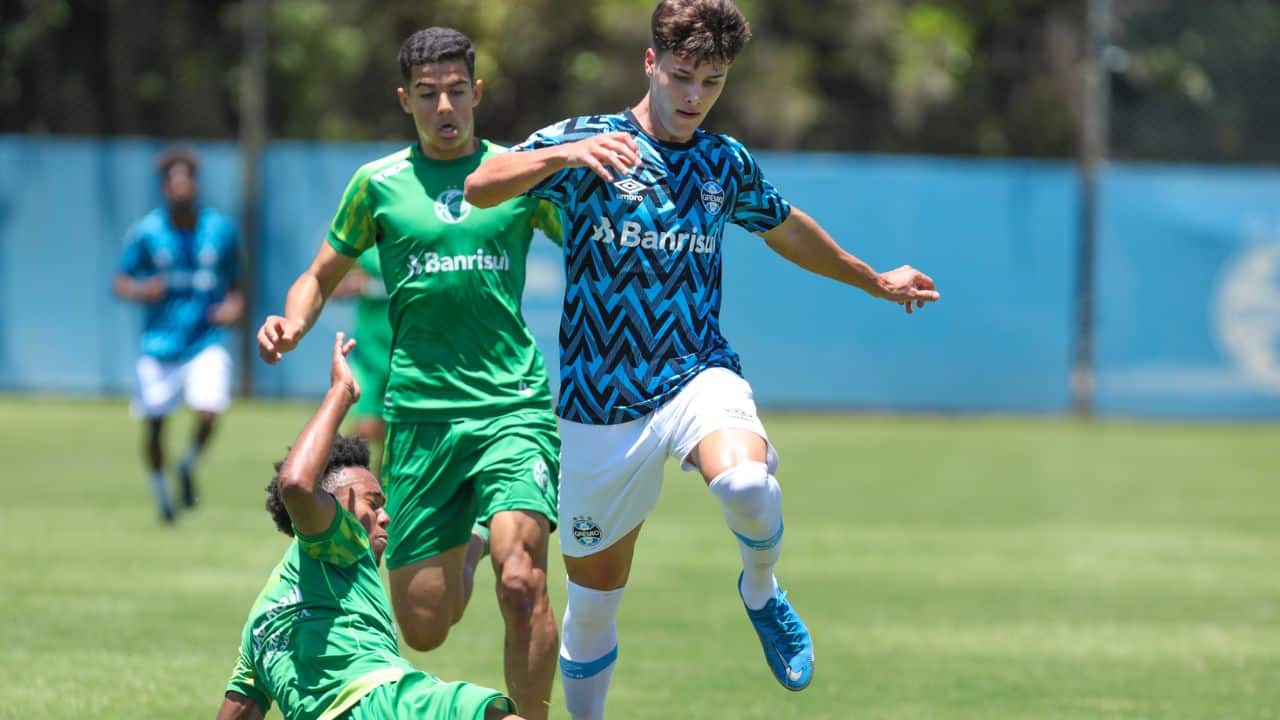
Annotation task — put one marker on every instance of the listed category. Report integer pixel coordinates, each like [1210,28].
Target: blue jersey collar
[631,118]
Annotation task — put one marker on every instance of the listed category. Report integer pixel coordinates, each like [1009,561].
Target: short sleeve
[135,260]
[244,680]
[759,206]
[546,217]
[353,230]
[558,187]
[342,545]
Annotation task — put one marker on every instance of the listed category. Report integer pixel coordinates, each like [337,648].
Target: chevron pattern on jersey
[642,264]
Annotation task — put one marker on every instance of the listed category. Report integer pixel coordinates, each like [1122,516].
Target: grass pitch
[948,568]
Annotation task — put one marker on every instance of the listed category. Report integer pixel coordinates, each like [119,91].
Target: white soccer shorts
[611,475]
[205,379]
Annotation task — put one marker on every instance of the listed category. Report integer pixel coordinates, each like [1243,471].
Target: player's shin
[752,502]
[160,489]
[588,649]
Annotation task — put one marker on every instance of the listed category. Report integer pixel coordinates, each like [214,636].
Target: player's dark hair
[434,45]
[177,155]
[347,451]
[700,30]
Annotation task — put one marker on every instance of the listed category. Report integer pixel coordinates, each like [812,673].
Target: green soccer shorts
[419,696]
[440,478]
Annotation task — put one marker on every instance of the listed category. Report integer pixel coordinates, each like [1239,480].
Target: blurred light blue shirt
[198,266]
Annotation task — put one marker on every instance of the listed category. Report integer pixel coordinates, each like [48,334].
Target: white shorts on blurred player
[204,380]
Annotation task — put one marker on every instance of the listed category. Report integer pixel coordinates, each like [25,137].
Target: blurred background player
[471,436]
[319,640]
[645,371]
[371,359]
[180,263]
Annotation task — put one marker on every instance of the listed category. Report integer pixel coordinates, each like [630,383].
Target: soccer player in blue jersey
[180,263]
[645,371]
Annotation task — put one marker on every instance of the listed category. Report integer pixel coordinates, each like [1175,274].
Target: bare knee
[425,635]
[521,586]
[519,547]
[425,601]
[426,628]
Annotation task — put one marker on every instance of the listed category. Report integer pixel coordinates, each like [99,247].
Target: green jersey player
[319,641]
[471,436]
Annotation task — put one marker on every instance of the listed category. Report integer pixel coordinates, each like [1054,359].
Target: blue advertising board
[1187,305]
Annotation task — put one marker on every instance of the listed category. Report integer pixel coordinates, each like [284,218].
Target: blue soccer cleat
[787,646]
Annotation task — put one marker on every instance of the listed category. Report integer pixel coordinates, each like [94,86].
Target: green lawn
[948,568]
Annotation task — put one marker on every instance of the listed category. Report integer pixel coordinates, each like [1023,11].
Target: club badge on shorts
[541,474]
[586,531]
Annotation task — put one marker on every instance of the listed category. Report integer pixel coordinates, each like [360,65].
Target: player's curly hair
[347,451]
[434,45]
[700,30]
[177,155]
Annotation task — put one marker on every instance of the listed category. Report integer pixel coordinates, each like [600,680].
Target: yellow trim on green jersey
[244,680]
[342,544]
[358,688]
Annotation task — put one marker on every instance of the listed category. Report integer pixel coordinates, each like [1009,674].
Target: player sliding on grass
[319,640]
[471,436]
[645,371]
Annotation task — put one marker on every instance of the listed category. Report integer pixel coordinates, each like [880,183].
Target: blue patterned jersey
[198,267]
[642,263]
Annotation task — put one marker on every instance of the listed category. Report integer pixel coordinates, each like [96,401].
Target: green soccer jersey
[455,275]
[320,634]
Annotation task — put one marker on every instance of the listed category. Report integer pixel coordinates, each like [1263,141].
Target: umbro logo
[629,185]
[630,189]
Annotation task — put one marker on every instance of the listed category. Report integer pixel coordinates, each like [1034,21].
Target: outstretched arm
[802,240]
[509,174]
[238,707]
[280,334]
[311,509]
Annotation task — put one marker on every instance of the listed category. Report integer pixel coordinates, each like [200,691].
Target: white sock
[752,501]
[588,649]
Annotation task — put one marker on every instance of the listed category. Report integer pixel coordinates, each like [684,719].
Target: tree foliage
[1191,79]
